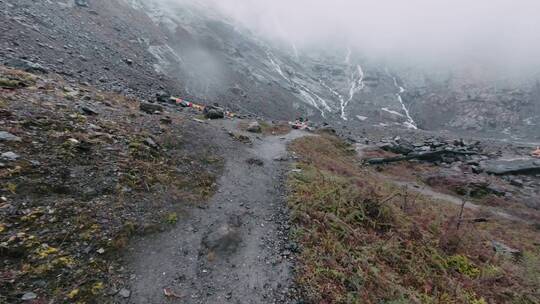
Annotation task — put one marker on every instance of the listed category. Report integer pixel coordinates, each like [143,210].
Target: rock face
[502,167]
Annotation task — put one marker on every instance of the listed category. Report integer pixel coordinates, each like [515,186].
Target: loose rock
[10,156]
[5,136]
[124,293]
[28,296]
[150,108]
[254,127]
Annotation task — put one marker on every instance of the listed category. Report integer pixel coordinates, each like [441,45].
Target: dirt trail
[232,250]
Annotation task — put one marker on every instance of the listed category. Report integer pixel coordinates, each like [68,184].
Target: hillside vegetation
[364,240]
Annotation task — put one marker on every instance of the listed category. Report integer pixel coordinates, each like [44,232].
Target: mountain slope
[193,51]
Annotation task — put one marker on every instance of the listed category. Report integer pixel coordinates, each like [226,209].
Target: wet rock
[29,296]
[505,249]
[237,91]
[27,66]
[150,108]
[10,156]
[516,182]
[163,96]
[151,143]
[255,161]
[240,137]
[124,293]
[225,240]
[503,167]
[166,120]
[328,130]
[214,112]
[6,136]
[89,110]
[254,127]
[83,3]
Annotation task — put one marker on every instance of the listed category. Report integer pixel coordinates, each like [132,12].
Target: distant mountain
[195,52]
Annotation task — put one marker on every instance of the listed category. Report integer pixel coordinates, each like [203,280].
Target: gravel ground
[235,248]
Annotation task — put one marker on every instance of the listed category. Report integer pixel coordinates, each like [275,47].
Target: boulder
[150,108]
[9,156]
[519,166]
[214,112]
[254,127]
[83,3]
[26,66]
[6,136]
[163,96]
[89,110]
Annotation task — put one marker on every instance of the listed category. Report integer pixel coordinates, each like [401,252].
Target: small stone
[151,143]
[101,251]
[5,136]
[28,296]
[166,120]
[10,156]
[255,162]
[124,293]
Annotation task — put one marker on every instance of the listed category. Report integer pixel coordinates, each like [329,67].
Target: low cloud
[495,32]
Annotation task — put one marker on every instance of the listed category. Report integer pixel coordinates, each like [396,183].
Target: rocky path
[234,249]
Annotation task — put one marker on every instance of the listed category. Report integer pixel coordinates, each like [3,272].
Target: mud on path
[234,249]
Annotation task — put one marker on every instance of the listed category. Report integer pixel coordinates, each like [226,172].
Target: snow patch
[361,118]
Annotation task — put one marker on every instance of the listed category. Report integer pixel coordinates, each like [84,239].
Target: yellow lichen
[73,294]
[45,251]
[65,261]
[97,288]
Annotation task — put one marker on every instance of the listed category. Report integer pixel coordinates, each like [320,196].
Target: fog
[494,32]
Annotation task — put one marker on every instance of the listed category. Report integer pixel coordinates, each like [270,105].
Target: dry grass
[62,236]
[364,240]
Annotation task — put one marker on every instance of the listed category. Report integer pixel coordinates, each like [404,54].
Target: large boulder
[519,166]
[150,108]
[163,96]
[214,112]
[254,127]
[6,136]
[27,66]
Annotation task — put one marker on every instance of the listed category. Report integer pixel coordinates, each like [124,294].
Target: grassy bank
[84,183]
[364,240]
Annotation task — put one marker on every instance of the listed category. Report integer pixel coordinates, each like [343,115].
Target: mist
[496,33]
